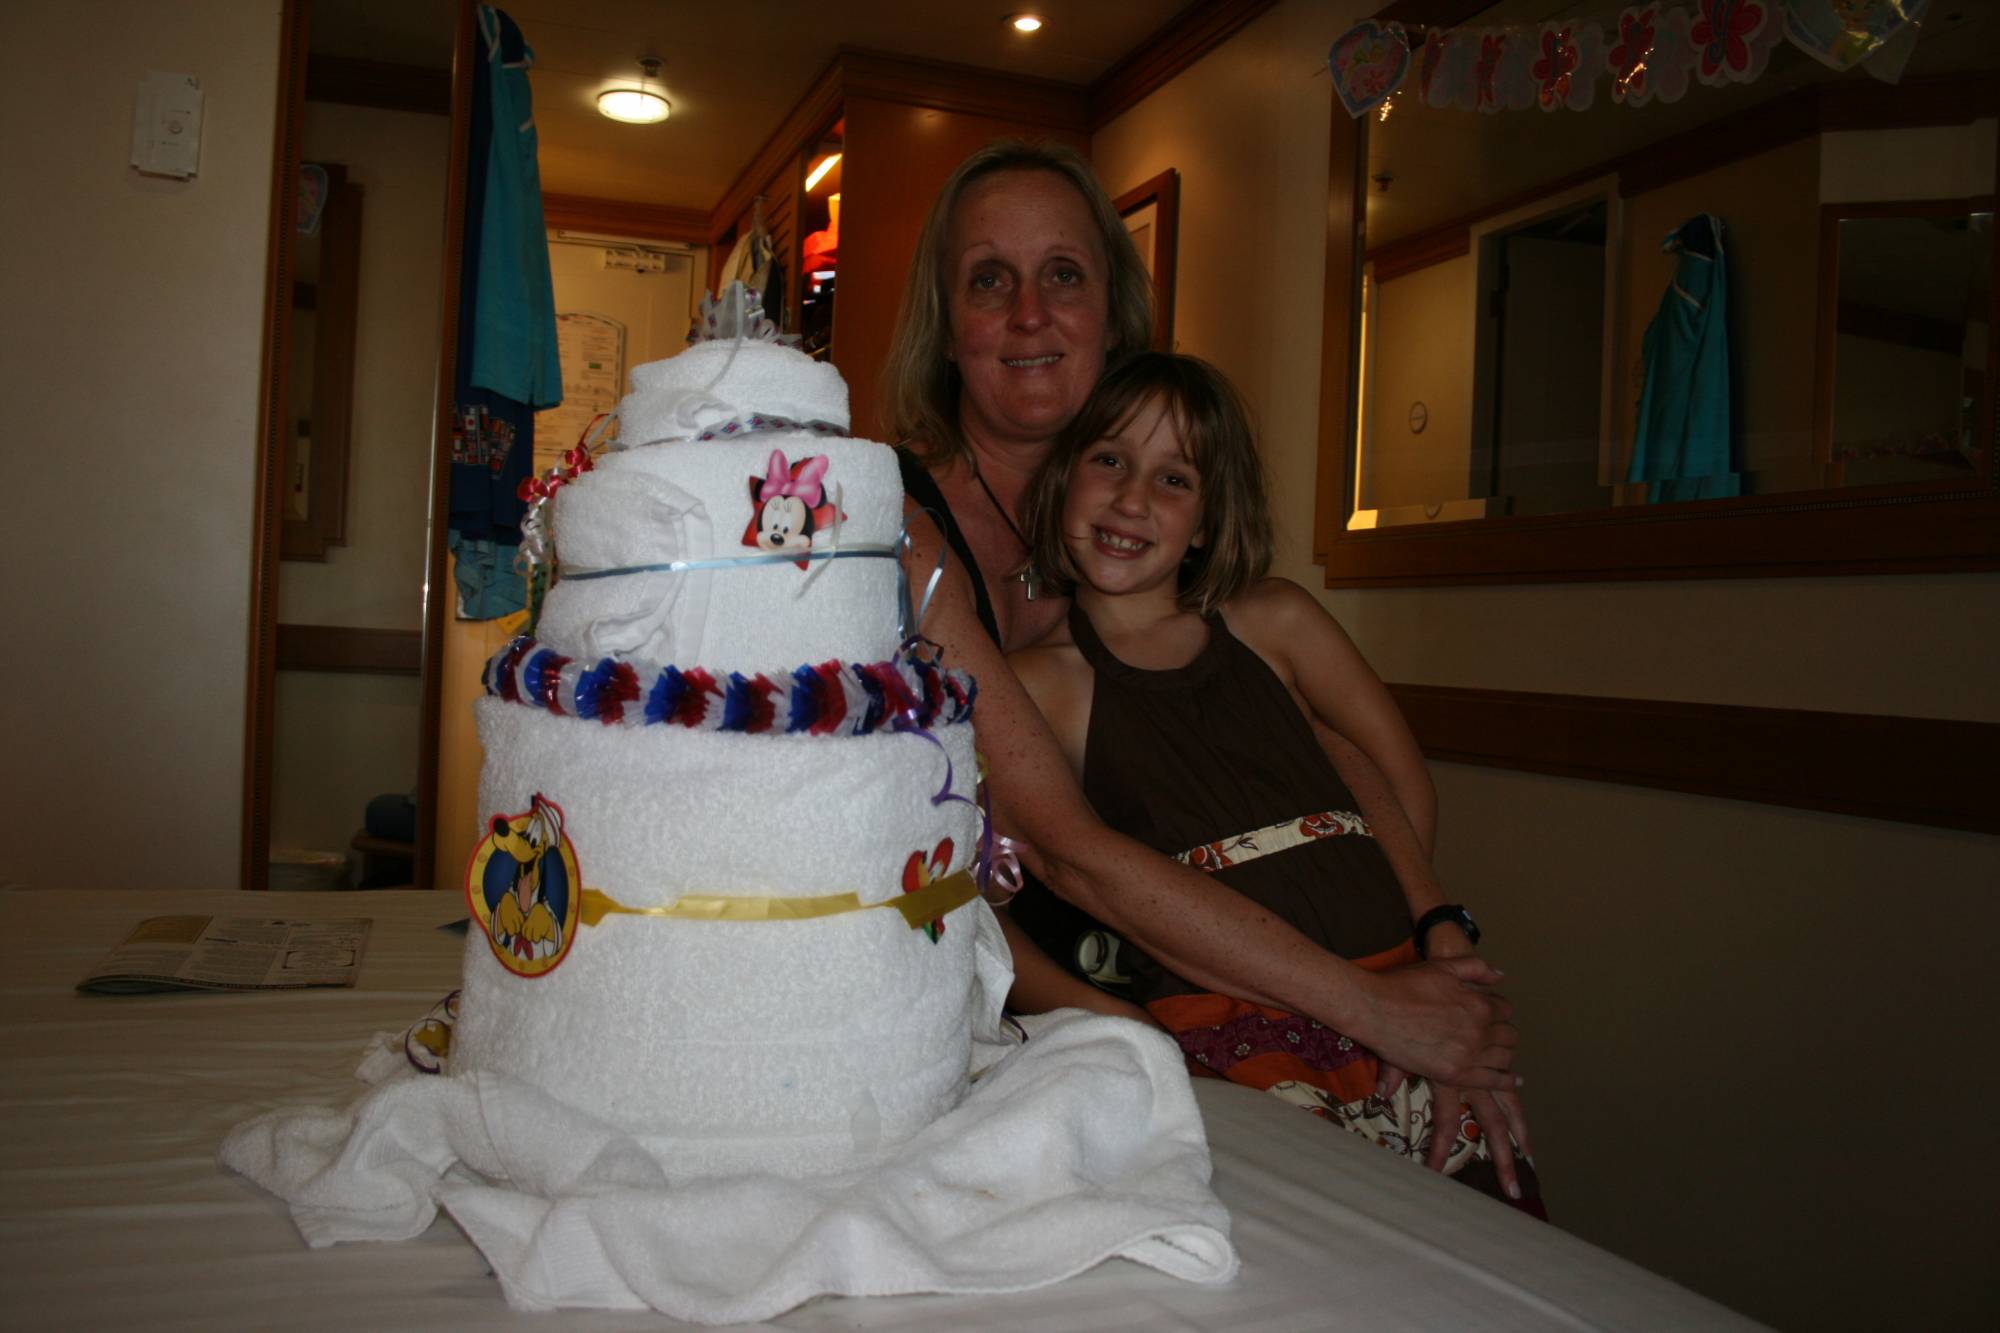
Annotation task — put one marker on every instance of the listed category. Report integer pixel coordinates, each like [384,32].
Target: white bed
[114,1214]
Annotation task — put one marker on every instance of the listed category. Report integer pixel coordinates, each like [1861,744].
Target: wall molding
[1149,66]
[1912,770]
[620,217]
[378,84]
[392,652]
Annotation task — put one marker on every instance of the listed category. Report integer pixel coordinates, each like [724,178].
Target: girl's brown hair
[1214,429]
[920,382]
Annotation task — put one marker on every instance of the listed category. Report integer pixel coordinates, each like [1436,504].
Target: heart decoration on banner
[1842,35]
[1367,64]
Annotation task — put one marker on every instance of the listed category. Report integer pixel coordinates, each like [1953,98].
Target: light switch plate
[166,125]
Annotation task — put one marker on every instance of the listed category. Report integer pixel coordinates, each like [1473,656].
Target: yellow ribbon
[919,908]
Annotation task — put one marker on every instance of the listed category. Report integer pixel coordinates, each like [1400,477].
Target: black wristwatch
[1437,916]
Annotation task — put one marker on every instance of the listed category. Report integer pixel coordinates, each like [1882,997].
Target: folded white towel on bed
[1081,1145]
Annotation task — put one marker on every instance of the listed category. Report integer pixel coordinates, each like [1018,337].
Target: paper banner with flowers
[1649,50]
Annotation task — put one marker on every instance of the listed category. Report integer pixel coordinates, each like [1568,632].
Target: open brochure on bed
[231,953]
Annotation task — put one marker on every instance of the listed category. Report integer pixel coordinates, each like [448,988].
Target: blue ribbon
[731,561]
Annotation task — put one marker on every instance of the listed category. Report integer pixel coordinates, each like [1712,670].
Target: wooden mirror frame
[363,650]
[1163,194]
[1907,528]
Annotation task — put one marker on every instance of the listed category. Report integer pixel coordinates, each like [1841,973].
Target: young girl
[1183,689]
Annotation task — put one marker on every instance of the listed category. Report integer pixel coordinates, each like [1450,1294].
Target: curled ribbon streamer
[910,622]
[918,909]
[1004,873]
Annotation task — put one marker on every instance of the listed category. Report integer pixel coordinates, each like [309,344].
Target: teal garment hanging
[514,345]
[1685,446]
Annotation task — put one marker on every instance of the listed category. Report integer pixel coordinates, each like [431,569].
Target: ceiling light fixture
[1024,22]
[637,106]
[819,172]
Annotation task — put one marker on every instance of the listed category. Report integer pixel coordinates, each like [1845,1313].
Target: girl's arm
[1041,984]
[1437,1020]
[1289,629]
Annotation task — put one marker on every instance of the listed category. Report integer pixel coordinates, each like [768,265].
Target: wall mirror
[1679,339]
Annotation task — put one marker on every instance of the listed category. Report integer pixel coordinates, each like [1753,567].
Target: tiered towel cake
[715,1051]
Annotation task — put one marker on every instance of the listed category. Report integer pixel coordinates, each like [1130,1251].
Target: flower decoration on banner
[1843,33]
[1638,28]
[1428,61]
[1733,40]
[1485,70]
[1367,64]
[1454,80]
[1652,51]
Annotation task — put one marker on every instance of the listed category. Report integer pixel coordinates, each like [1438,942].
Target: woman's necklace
[1026,578]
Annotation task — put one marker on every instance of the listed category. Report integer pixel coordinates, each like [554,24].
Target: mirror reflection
[1910,344]
[1627,305]
[347,703]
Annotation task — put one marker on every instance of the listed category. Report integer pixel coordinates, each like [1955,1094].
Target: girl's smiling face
[1028,307]
[1133,506]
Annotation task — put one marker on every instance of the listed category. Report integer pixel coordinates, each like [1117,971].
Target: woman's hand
[1440,1019]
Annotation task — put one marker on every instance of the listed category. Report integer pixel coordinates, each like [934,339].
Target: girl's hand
[1499,1117]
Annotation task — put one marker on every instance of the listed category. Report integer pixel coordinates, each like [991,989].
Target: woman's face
[1029,305]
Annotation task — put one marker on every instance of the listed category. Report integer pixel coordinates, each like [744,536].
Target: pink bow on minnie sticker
[804,483]
[788,504]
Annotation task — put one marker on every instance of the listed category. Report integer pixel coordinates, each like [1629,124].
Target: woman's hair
[1214,429]
[920,383]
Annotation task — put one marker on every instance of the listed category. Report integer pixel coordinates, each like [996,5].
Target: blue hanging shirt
[514,344]
[1685,445]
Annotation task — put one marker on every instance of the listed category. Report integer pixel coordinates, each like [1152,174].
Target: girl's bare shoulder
[1273,607]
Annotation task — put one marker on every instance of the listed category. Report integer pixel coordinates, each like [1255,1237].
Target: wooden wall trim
[1421,250]
[963,89]
[395,652]
[1912,770]
[1182,40]
[273,429]
[438,588]
[620,217]
[378,84]
[1340,327]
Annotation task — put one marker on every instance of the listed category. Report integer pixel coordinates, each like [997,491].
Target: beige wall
[130,357]
[1743,1023]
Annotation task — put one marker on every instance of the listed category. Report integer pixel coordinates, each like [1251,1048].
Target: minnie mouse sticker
[524,888]
[788,504]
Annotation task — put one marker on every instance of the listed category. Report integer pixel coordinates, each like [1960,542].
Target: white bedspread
[114,1214]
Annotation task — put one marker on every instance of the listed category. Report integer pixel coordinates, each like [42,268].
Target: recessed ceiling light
[637,106]
[1024,22]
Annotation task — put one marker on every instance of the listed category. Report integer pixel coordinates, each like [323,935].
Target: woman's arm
[1289,629]
[1499,1113]
[1436,1020]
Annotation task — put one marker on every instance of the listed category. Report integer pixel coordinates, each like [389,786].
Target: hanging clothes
[514,346]
[1685,446]
[503,265]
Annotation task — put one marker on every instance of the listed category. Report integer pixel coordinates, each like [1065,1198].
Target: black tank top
[1180,758]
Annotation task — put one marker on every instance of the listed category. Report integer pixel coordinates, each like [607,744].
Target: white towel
[1081,1145]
